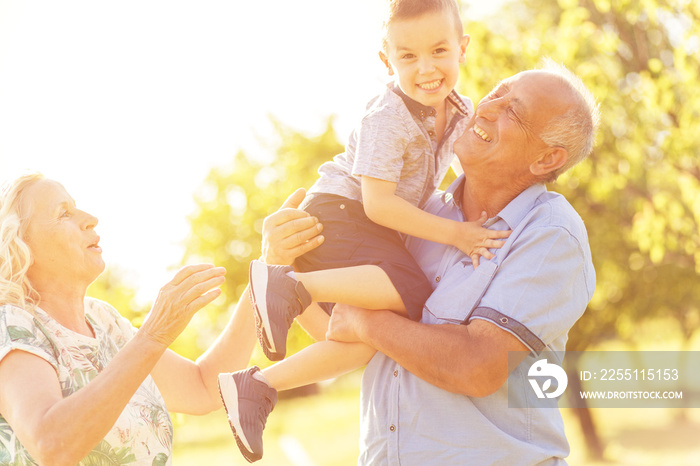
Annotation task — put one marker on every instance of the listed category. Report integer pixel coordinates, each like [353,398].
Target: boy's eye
[440,50]
[407,56]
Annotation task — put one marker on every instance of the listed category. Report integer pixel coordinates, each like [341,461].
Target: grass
[316,430]
[326,427]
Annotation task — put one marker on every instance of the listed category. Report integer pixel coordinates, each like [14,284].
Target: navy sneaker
[277,299]
[248,402]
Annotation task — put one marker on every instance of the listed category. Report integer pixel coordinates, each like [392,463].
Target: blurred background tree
[231,205]
[114,287]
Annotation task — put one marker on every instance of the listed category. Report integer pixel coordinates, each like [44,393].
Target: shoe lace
[264,409]
[294,310]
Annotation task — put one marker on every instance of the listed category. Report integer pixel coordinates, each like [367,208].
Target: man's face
[502,139]
[425,53]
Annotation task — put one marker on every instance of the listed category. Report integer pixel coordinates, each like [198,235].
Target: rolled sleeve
[510,325]
[545,291]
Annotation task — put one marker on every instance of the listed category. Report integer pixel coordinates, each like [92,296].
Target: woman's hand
[193,287]
[289,232]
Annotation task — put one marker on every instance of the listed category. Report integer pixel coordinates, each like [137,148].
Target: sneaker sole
[262,338]
[227,387]
[258,290]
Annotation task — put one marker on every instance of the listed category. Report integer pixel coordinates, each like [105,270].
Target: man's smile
[483,134]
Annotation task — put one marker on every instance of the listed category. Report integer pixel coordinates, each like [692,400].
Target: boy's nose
[426,65]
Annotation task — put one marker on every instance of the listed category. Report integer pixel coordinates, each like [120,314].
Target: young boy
[393,162]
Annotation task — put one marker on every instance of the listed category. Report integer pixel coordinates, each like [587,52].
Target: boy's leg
[366,286]
[279,295]
[249,397]
[320,361]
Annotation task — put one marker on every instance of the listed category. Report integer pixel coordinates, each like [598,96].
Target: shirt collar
[421,111]
[523,203]
[512,213]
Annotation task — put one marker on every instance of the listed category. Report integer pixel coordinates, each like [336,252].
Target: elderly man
[436,394]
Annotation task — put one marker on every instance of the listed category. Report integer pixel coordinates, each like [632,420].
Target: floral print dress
[142,434]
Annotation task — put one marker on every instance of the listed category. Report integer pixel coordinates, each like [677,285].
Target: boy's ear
[385,60]
[553,159]
[464,43]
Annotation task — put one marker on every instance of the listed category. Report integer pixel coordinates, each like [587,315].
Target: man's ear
[463,48]
[385,60]
[552,159]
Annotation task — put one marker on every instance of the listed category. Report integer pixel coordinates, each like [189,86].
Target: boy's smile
[431,85]
[425,53]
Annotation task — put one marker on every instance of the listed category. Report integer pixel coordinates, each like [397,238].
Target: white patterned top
[143,432]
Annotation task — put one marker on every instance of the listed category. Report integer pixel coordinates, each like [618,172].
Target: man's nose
[489,110]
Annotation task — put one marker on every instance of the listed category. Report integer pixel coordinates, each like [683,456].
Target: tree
[112,287]
[231,205]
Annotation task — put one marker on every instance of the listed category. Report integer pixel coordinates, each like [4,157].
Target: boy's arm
[384,207]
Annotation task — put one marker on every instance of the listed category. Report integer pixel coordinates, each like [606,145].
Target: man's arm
[467,359]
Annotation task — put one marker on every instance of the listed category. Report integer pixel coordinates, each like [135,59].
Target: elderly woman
[79,383]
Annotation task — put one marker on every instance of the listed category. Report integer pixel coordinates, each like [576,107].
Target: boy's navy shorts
[351,239]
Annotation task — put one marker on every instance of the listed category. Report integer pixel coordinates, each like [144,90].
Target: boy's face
[425,53]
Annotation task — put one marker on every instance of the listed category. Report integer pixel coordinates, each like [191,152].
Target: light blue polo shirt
[536,287]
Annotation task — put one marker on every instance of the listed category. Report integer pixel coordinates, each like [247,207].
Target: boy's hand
[475,241]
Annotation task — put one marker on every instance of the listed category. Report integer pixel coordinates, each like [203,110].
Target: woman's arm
[192,387]
[57,430]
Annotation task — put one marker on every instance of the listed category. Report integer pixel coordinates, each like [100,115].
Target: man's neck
[488,196]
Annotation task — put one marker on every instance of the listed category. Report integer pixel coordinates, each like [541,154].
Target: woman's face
[62,238]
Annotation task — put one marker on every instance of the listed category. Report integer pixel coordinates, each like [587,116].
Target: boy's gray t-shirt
[396,141]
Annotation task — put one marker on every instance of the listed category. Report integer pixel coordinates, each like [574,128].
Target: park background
[182,124]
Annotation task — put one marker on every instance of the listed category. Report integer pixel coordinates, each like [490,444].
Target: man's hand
[345,324]
[290,232]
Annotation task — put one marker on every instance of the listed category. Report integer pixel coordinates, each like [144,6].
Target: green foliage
[227,224]
[113,288]
[639,193]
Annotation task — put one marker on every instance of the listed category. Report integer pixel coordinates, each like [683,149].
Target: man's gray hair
[576,129]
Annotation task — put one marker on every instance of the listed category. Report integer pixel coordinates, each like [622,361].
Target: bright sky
[129,104]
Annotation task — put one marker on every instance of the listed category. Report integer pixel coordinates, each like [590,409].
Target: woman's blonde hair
[15,256]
